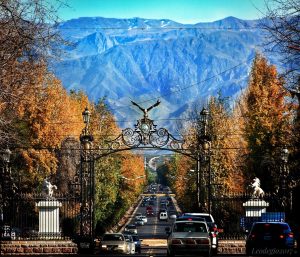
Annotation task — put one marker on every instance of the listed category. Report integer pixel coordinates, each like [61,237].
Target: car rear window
[189,227]
[270,228]
[113,238]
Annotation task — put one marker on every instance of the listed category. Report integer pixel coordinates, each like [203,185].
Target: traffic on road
[158,228]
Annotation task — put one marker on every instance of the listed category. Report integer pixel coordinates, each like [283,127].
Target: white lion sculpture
[48,188]
[257,191]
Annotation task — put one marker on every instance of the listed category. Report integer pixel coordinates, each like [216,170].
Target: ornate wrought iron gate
[145,135]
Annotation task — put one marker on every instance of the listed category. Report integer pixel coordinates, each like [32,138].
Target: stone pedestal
[255,207]
[49,218]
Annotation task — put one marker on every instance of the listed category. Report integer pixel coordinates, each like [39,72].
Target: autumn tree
[226,149]
[266,122]
[26,38]
[42,120]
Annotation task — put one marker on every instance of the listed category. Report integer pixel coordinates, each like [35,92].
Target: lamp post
[203,148]
[284,176]
[87,183]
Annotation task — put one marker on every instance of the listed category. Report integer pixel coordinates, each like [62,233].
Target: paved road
[153,228]
[152,233]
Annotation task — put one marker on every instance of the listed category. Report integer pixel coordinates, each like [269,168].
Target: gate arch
[144,136]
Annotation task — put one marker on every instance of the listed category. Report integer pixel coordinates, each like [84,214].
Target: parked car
[114,243]
[138,243]
[212,226]
[188,237]
[163,216]
[131,228]
[266,238]
[129,240]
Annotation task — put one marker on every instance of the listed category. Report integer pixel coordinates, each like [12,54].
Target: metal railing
[38,217]
[235,213]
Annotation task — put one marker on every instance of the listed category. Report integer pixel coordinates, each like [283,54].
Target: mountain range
[145,60]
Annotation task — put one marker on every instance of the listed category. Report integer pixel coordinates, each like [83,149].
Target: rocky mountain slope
[143,60]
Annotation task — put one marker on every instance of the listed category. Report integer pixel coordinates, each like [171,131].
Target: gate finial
[145,111]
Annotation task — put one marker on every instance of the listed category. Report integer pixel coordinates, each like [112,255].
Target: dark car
[138,243]
[270,238]
[150,213]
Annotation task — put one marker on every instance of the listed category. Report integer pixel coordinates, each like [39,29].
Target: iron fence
[234,214]
[39,217]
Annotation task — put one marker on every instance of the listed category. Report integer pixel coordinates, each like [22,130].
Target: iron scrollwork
[145,135]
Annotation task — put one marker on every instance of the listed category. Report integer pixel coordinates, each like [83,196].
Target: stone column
[255,207]
[49,218]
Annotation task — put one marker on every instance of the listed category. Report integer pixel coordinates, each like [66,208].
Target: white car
[163,216]
[131,243]
[188,238]
[213,229]
[139,222]
[115,243]
[131,228]
[144,218]
[138,215]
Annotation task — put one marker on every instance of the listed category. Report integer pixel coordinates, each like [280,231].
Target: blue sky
[184,11]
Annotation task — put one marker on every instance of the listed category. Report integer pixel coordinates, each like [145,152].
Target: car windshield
[113,238]
[275,228]
[131,226]
[190,227]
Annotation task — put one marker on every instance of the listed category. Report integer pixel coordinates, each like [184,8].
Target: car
[150,213]
[139,221]
[188,237]
[114,243]
[131,228]
[151,203]
[138,243]
[163,216]
[173,216]
[131,243]
[153,197]
[149,208]
[163,206]
[144,218]
[266,238]
[212,226]
[138,215]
